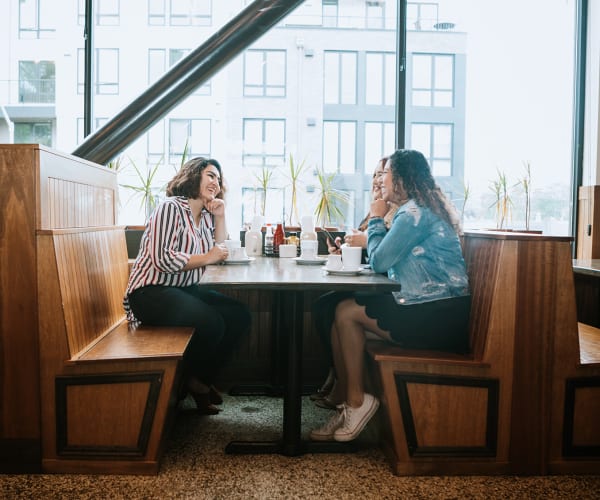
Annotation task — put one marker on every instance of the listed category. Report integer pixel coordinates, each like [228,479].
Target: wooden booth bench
[526,399]
[108,390]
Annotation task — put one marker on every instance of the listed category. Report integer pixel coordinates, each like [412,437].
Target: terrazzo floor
[195,467]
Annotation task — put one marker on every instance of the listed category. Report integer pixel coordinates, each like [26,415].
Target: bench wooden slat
[128,342]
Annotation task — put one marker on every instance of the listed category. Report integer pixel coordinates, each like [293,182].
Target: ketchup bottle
[278,238]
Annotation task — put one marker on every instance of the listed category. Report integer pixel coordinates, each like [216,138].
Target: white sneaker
[355,419]
[325,432]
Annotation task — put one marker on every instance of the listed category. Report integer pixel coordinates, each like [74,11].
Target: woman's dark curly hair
[411,167]
[187,181]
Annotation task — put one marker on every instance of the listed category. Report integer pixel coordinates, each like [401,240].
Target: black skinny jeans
[218,320]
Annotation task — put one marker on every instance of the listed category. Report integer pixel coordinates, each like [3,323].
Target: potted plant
[331,202]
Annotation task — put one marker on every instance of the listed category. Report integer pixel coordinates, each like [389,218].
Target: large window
[339,78]
[36,18]
[323,85]
[264,142]
[264,73]
[37,82]
[433,80]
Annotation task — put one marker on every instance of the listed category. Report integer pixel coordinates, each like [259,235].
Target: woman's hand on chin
[216,206]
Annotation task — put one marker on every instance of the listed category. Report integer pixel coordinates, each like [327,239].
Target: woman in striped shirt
[183,235]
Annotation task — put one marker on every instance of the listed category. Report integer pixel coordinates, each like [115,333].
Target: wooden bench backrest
[92,271]
[482,256]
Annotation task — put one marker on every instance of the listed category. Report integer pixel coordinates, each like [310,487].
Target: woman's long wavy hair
[411,167]
[187,181]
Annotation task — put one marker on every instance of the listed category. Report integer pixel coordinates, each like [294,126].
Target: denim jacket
[421,251]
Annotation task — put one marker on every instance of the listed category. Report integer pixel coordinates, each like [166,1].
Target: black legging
[218,321]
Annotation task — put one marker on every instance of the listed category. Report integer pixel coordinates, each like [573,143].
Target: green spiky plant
[332,202]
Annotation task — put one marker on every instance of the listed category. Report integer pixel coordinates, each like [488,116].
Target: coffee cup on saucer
[237,253]
[351,258]
[334,262]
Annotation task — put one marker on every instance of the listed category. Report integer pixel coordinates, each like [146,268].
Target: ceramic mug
[351,257]
[334,261]
[237,253]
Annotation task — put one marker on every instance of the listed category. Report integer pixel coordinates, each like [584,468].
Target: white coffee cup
[334,261]
[237,253]
[308,249]
[287,251]
[351,257]
[231,244]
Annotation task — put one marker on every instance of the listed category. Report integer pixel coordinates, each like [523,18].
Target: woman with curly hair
[422,251]
[184,234]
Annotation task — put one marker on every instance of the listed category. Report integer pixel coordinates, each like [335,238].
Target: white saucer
[247,260]
[310,262]
[344,272]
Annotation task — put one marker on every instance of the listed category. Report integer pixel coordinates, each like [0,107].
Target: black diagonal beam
[181,80]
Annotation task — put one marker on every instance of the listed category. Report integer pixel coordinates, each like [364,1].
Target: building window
[36,18]
[375,14]
[264,142]
[380,78]
[339,147]
[434,140]
[339,77]
[157,12]
[193,134]
[180,12]
[264,73]
[380,140]
[158,65]
[33,132]
[433,80]
[106,74]
[421,15]
[156,142]
[330,13]
[106,12]
[37,82]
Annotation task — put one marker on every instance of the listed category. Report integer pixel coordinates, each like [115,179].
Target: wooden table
[290,281]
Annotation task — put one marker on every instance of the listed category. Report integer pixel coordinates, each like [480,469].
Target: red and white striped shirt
[169,240]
